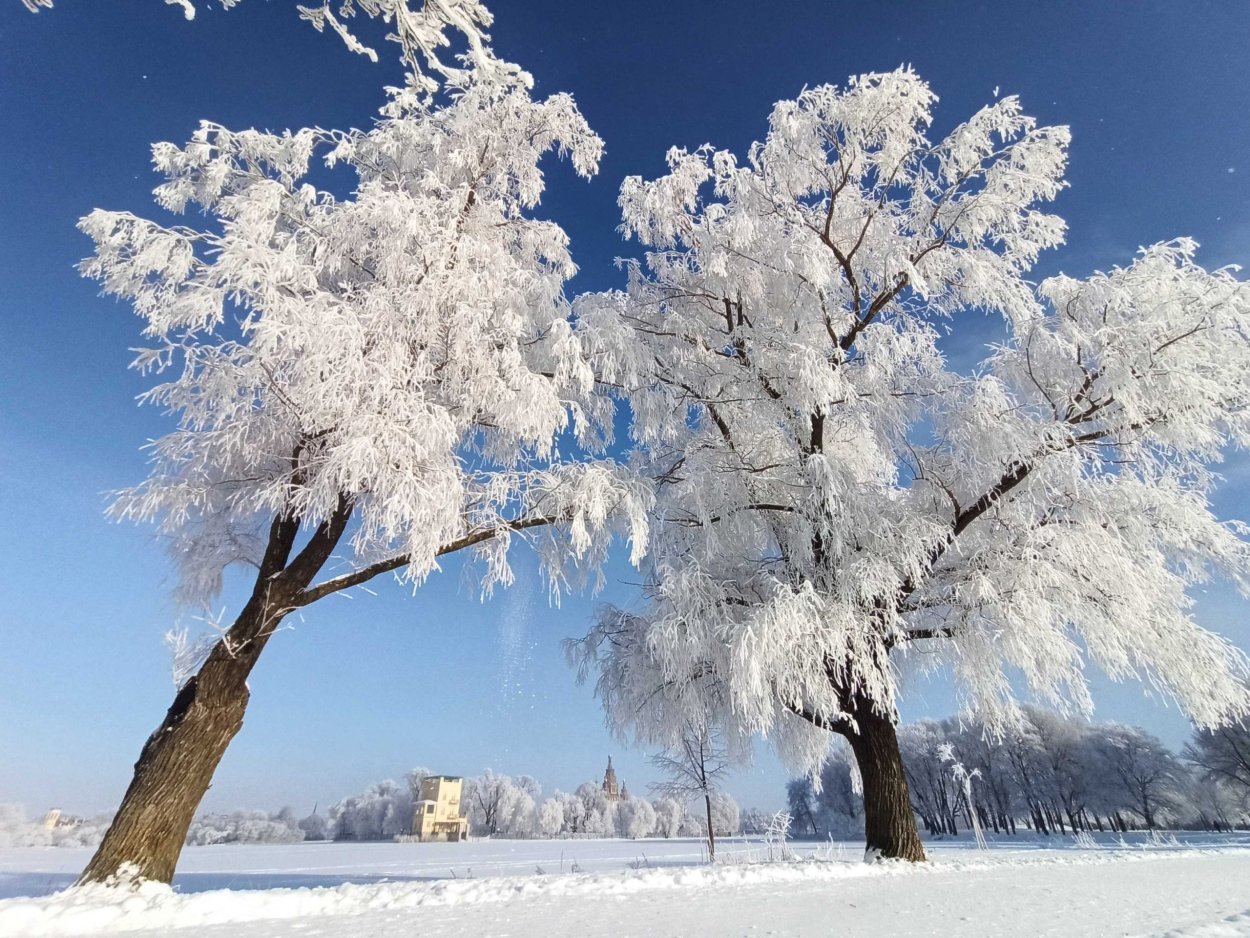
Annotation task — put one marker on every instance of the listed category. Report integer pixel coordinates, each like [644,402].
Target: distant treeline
[496,805]
[1051,774]
[513,806]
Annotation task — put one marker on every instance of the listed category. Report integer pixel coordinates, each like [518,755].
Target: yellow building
[437,815]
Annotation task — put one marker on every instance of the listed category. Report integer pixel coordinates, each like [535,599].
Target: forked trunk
[178,760]
[177,763]
[889,822]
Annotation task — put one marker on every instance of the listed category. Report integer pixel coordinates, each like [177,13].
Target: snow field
[1196,891]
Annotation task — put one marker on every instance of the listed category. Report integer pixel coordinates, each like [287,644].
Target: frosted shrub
[1084,840]
[776,845]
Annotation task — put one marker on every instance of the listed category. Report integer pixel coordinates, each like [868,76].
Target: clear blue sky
[1157,95]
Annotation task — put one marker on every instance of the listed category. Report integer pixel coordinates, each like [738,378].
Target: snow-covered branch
[831,495]
[421,32]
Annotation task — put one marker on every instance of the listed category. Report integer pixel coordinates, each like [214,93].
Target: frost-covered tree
[245,827]
[593,814]
[985,753]
[726,814]
[832,494]
[756,822]
[1143,772]
[635,817]
[481,797]
[1054,773]
[363,385]
[53,830]
[1222,755]
[573,810]
[840,801]
[501,804]
[381,812]
[519,817]
[550,818]
[726,818]
[935,796]
[1067,751]
[669,813]
[801,806]
[315,827]
[1214,806]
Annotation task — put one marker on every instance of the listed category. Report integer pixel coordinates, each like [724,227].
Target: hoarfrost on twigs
[832,496]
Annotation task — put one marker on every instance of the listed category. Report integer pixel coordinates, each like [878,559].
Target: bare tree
[695,766]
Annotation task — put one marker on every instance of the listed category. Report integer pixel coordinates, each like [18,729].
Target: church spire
[610,789]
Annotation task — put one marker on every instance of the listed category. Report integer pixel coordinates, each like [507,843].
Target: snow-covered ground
[1198,886]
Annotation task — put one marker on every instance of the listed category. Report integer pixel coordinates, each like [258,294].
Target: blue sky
[1157,95]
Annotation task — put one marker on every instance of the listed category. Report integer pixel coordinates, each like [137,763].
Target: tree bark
[889,822]
[177,763]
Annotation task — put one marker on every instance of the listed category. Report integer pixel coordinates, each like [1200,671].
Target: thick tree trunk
[889,822]
[178,760]
[177,763]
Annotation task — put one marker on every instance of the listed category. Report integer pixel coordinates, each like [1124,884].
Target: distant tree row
[514,807]
[17,830]
[246,827]
[239,827]
[497,806]
[1052,774]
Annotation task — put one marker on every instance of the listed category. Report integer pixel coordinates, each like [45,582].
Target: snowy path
[1009,891]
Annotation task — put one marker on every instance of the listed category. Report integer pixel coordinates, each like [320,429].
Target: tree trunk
[177,764]
[178,760]
[711,834]
[889,822]
[171,777]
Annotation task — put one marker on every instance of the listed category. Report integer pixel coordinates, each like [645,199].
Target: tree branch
[357,577]
[832,725]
